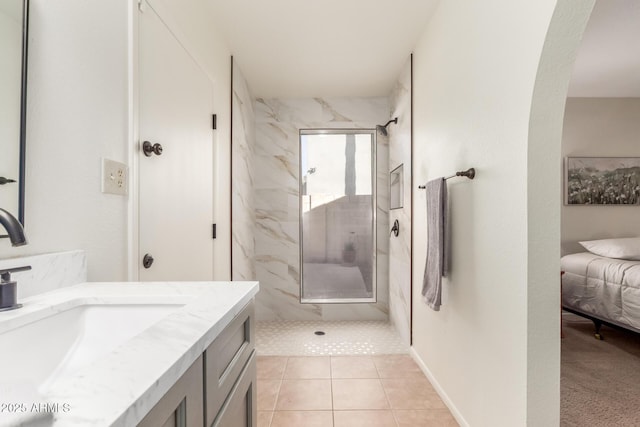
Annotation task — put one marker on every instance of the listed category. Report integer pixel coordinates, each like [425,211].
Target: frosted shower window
[337,209]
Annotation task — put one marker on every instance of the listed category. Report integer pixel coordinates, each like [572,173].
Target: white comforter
[605,287]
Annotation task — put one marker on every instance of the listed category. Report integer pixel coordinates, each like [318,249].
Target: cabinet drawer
[240,408]
[225,359]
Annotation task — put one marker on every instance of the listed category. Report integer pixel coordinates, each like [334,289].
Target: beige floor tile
[302,418]
[271,367]
[405,393]
[304,395]
[425,418]
[358,394]
[397,366]
[308,368]
[364,419]
[264,418]
[267,394]
[353,367]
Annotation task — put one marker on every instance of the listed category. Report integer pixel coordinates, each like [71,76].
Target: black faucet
[8,294]
[13,227]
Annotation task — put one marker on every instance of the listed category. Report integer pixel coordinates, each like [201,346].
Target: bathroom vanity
[126,354]
[222,379]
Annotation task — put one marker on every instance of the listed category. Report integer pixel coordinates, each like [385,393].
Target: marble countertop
[120,388]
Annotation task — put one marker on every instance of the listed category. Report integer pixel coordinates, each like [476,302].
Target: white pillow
[627,248]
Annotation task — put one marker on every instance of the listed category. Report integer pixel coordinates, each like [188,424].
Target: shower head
[383,129]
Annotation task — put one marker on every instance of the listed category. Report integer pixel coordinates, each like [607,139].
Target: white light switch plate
[115,177]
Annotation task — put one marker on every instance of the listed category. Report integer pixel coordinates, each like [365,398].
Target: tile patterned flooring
[296,338]
[347,391]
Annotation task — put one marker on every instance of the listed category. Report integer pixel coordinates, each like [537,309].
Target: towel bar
[469,173]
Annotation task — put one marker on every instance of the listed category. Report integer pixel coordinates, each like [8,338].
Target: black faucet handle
[6,273]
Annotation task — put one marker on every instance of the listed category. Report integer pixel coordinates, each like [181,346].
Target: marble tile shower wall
[243,221]
[276,173]
[400,247]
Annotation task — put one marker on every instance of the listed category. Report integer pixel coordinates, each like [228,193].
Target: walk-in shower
[338,215]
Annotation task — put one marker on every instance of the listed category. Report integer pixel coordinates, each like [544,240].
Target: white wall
[475,74]
[600,127]
[80,110]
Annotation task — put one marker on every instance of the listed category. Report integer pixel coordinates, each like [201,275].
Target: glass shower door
[337,216]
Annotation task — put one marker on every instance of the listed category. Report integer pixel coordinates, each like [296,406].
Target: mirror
[13,91]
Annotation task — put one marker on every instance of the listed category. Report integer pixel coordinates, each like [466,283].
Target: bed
[605,290]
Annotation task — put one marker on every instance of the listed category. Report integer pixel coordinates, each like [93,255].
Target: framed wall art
[602,181]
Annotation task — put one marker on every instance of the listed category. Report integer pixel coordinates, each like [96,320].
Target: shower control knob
[395,230]
[147,261]
[149,149]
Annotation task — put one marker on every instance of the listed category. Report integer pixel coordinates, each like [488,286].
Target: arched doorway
[544,188]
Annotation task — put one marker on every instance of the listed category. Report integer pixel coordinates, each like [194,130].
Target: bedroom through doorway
[600,223]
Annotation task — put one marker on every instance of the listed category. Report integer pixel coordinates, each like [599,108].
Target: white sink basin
[44,350]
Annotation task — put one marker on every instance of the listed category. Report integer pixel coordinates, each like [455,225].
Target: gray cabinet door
[182,405]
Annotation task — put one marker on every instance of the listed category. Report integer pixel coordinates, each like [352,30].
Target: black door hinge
[214,121]
[213,234]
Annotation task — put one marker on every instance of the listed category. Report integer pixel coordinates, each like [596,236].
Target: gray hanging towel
[437,263]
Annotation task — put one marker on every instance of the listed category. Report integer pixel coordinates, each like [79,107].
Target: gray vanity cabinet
[182,405]
[230,373]
[219,389]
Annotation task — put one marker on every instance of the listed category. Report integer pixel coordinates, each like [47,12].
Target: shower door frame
[374,201]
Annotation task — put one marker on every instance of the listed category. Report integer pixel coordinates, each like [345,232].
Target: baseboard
[445,398]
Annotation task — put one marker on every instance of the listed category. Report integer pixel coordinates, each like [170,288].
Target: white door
[176,187]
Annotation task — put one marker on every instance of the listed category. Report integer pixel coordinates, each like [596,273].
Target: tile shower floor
[347,391]
[297,338]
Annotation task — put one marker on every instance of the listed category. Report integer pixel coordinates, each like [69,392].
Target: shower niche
[337,216]
[396,188]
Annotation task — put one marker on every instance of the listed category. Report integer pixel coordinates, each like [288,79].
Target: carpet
[600,380]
